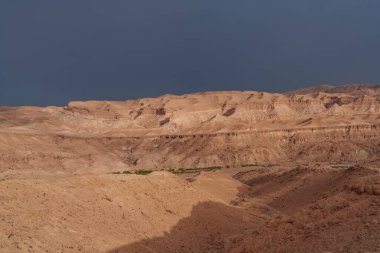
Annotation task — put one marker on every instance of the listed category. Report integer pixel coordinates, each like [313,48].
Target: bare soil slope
[270,210]
[96,213]
[298,210]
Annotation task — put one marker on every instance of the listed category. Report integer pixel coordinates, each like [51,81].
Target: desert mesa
[232,128]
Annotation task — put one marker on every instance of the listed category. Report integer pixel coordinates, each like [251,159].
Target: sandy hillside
[98,213]
[263,209]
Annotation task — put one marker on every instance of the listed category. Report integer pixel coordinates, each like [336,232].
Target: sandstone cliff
[325,124]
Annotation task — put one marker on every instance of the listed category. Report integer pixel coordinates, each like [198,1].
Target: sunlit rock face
[325,123]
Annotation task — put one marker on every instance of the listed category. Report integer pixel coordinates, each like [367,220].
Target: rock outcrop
[325,124]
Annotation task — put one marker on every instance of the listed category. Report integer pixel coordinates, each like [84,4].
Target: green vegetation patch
[258,165]
[173,170]
[136,172]
[193,170]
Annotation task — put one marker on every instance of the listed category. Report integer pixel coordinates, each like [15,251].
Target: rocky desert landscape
[232,171]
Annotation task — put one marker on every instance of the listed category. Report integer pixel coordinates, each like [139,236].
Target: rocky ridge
[193,130]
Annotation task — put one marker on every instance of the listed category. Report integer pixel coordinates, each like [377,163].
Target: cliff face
[195,130]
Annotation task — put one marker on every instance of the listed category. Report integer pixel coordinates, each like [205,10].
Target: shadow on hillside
[308,210]
[211,228]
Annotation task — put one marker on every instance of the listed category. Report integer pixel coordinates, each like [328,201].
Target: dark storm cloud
[55,51]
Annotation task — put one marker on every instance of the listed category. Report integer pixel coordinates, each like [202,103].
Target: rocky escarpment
[216,112]
[355,89]
[72,154]
[194,130]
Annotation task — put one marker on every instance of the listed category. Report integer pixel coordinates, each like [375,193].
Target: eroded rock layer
[194,130]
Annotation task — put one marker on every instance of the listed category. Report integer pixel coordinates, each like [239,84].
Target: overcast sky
[54,51]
